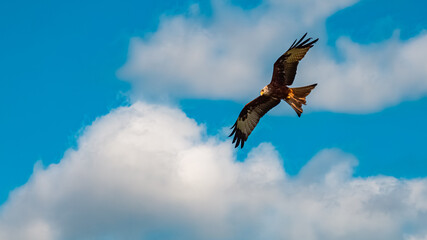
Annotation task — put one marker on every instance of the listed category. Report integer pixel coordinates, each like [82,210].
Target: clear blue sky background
[58,64]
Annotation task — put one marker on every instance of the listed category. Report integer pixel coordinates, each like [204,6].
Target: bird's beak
[262,92]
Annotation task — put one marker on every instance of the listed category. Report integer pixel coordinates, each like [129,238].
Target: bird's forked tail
[296,97]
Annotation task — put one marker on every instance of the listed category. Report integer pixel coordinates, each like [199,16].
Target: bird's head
[264,91]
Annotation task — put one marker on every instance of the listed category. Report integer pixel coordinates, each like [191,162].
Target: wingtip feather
[237,143]
[234,130]
[304,35]
[301,43]
[293,44]
[298,43]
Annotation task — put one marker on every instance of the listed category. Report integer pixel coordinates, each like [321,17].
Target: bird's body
[279,92]
[283,75]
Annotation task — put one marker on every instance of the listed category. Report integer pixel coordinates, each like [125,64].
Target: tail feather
[296,97]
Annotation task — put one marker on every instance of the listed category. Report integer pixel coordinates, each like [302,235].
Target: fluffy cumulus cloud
[150,172]
[370,77]
[230,56]
[227,56]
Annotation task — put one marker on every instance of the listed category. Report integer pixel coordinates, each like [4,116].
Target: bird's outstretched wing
[249,118]
[285,67]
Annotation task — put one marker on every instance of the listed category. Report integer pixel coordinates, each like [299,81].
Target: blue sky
[64,65]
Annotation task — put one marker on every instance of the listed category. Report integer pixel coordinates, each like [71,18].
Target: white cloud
[228,56]
[371,77]
[149,172]
[231,55]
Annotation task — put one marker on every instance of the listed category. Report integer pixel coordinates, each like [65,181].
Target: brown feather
[249,118]
[285,68]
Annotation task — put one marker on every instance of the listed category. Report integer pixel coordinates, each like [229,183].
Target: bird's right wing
[249,118]
[285,67]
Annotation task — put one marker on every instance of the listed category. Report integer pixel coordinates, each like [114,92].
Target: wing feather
[249,118]
[285,68]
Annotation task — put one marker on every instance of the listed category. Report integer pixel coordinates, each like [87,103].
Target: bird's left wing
[249,118]
[285,67]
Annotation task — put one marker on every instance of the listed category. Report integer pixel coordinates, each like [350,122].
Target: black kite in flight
[284,72]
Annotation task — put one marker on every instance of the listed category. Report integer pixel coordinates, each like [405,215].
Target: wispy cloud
[147,171]
[231,55]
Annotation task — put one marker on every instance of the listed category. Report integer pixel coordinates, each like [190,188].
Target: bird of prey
[284,72]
